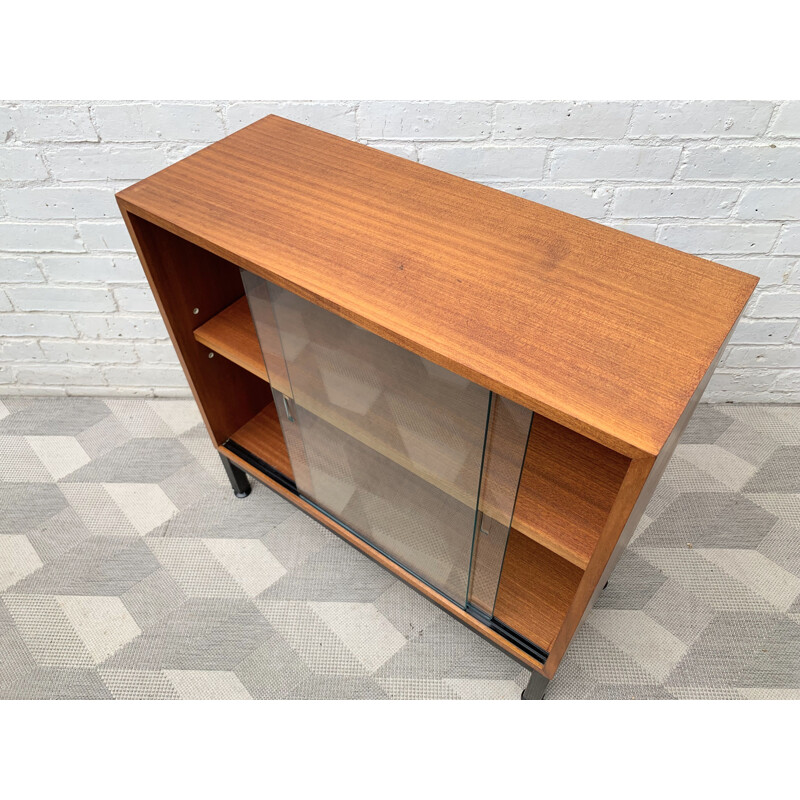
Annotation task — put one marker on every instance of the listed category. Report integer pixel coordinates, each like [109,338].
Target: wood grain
[184,277]
[568,484]
[536,590]
[601,331]
[232,334]
[632,484]
[567,488]
[263,437]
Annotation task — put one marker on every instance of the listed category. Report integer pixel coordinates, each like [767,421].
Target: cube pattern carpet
[128,570]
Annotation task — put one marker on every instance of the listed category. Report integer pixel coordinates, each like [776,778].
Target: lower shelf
[263,437]
[536,590]
[536,586]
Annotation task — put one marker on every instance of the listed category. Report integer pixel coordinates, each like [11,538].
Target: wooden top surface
[601,331]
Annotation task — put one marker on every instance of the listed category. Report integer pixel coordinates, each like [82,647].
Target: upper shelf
[568,482]
[232,334]
[566,490]
[603,332]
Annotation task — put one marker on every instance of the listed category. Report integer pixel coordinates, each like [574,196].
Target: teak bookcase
[477,391]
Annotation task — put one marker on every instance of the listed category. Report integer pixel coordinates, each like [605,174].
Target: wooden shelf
[566,490]
[263,437]
[568,483]
[232,334]
[536,590]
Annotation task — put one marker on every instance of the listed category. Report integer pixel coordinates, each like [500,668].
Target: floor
[129,570]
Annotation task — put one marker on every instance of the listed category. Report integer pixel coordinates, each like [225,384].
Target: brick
[177,152]
[640,229]
[38,141]
[566,120]
[89,352]
[110,391]
[574,200]
[701,202]
[487,163]
[162,391]
[36,325]
[407,151]
[60,202]
[764,357]
[57,298]
[21,164]
[787,120]
[157,353]
[387,119]
[705,119]
[338,118]
[39,122]
[117,326]
[99,162]
[20,270]
[91,269]
[8,118]
[50,374]
[770,271]
[145,376]
[789,240]
[768,162]
[135,298]
[21,350]
[41,238]
[146,122]
[743,385]
[614,163]
[34,391]
[105,236]
[789,381]
[5,303]
[705,239]
[770,202]
[777,303]
[762,331]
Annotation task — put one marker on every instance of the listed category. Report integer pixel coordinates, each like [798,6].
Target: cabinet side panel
[184,277]
[637,488]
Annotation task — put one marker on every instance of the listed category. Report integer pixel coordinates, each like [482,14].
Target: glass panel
[257,290]
[390,444]
[504,454]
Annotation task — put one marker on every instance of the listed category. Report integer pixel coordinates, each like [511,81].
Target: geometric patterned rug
[128,570]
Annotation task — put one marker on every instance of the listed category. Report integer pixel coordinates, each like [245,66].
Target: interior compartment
[263,437]
[567,487]
[192,286]
[536,590]
[566,491]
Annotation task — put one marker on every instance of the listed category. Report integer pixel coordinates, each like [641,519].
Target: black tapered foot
[237,477]
[536,687]
[606,586]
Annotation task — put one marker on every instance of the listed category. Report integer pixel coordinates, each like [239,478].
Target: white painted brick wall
[719,179]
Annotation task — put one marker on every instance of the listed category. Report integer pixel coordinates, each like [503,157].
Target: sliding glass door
[391,445]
